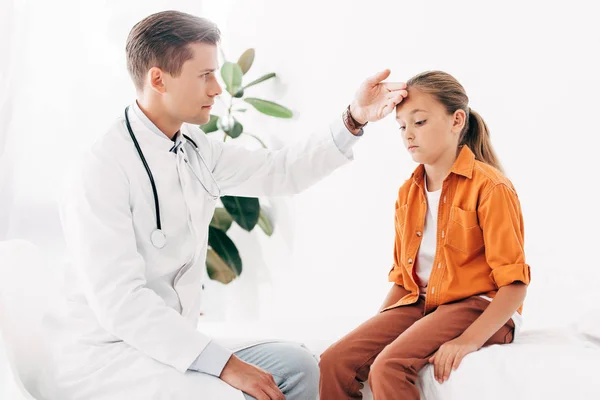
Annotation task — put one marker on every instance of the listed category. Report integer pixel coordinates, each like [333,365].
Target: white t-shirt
[426,254]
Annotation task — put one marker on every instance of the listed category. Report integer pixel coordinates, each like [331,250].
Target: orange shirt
[480,235]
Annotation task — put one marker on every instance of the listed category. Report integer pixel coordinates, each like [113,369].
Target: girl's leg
[345,365]
[394,371]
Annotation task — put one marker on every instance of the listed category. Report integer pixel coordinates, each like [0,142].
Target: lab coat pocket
[464,233]
[188,285]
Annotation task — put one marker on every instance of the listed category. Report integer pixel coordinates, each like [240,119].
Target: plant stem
[257,138]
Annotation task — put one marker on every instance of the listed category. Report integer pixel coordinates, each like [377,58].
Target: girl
[459,274]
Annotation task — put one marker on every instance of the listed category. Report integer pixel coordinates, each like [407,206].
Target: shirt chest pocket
[464,233]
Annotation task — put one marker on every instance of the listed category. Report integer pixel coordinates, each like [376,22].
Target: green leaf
[244,210]
[246,60]
[265,223]
[261,79]
[239,94]
[210,126]
[232,76]
[217,269]
[269,108]
[225,248]
[236,130]
[241,110]
[221,219]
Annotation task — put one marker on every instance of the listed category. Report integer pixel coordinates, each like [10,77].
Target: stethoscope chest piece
[158,238]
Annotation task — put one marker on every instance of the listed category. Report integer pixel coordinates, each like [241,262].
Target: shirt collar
[463,165]
[150,125]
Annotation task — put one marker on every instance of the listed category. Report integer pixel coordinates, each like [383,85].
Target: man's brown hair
[161,40]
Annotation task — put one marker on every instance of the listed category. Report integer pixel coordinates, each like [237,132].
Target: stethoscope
[158,237]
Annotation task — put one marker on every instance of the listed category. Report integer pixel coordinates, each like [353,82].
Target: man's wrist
[356,115]
[231,363]
[352,124]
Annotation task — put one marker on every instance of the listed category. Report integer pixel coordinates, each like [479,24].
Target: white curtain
[9,43]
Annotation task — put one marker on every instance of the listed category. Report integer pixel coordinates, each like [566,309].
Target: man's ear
[156,78]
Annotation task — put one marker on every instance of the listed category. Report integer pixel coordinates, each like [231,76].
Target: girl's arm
[501,221]
[507,301]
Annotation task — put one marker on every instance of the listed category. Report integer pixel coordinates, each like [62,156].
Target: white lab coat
[128,329]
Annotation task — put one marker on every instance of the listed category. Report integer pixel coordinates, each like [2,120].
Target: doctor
[136,218]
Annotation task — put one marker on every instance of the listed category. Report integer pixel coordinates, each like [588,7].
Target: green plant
[223,261]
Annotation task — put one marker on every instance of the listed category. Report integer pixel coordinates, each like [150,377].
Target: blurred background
[529,68]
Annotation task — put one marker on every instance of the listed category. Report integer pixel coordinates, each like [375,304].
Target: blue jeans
[293,367]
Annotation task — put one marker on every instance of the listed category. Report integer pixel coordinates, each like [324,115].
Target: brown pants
[392,347]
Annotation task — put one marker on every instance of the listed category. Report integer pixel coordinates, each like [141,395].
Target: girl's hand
[449,356]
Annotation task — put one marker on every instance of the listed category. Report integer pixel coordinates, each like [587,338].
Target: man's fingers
[269,386]
[378,77]
[397,97]
[274,392]
[260,395]
[394,86]
[388,108]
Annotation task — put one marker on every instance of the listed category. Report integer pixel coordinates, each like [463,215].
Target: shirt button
[443,234]
[410,260]
[419,233]
[432,290]
[444,199]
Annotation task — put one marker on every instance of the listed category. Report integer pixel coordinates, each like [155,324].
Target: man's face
[189,97]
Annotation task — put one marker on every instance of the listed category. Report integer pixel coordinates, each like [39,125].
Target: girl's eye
[402,128]
[420,122]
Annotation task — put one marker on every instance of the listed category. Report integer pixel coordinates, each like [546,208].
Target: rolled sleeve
[212,360]
[395,276]
[501,220]
[343,138]
[508,274]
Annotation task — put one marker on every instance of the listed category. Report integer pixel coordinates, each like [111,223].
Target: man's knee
[302,380]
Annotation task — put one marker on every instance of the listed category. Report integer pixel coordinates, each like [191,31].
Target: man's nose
[216,89]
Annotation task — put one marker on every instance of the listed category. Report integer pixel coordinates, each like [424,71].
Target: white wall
[530,69]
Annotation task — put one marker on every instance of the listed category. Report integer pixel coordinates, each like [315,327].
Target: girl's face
[428,131]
